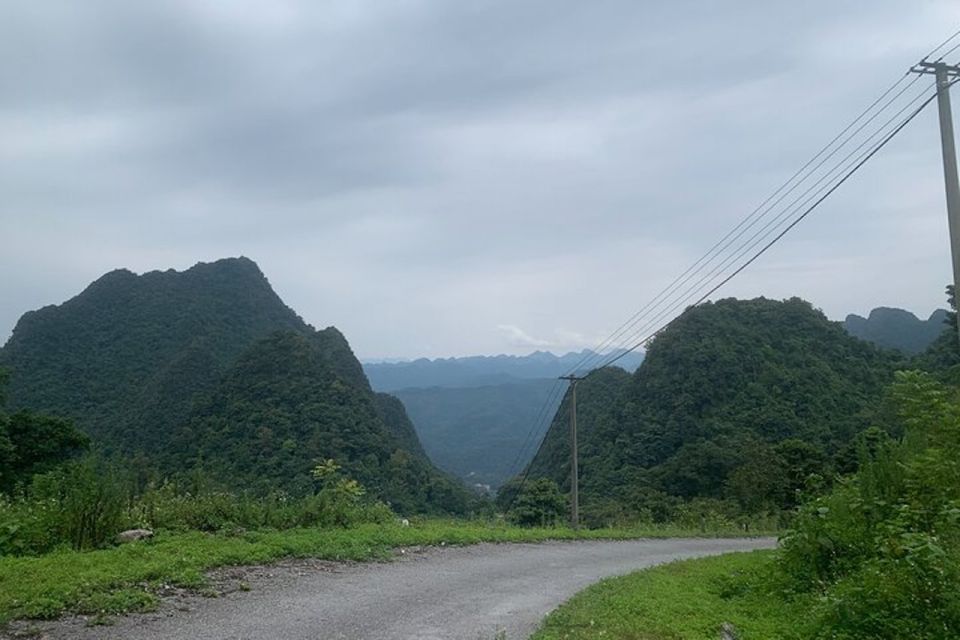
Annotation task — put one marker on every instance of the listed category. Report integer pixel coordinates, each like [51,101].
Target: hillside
[208,368]
[897,329]
[478,371]
[726,389]
[289,402]
[127,356]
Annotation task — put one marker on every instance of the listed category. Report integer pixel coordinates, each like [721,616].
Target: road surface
[470,593]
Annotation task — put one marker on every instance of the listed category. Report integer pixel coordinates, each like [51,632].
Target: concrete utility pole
[574,471]
[945,76]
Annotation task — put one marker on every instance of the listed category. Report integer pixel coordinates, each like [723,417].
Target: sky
[447,178]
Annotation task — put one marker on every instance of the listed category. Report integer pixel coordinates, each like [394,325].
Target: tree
[32,443]
[539,503]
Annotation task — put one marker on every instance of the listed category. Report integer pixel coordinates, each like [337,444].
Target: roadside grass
[123,579]
[685,600]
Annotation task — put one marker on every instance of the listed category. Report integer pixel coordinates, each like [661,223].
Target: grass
[123,579]
[686,600]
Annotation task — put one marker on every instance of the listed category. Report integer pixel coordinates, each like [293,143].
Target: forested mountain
[127,356]
[730,395]
[477,432]
[209,369]
[478,371]
[897,329]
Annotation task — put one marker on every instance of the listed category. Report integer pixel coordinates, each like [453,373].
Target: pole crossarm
[931,68]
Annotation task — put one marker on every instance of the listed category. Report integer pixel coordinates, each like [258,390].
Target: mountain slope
[127,356]
[897,329]
[208,368]
[721,382]
[288,403]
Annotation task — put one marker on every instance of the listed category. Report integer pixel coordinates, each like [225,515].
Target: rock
[132,535]
[728,632]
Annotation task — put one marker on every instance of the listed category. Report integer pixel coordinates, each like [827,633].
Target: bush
[85,504]
[539,504]
[882,550]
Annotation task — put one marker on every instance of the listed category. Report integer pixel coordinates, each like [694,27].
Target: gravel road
[469,593]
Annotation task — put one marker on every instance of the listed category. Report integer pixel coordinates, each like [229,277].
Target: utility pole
[945,76]
[574,471]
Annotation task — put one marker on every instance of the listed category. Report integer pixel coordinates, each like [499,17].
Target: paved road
[469,593]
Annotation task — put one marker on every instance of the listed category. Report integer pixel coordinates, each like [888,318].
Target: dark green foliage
[731,394]
[38,443]
[897,329]
[394,416]
[209,369]
[286,404]
[943,356]
[539,504]
[31,443]
[476,432]
[882,550]
[128,356]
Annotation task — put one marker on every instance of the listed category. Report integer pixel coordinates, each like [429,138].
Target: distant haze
[447,178]
[478,371]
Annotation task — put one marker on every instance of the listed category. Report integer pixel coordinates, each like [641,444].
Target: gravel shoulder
[437,593]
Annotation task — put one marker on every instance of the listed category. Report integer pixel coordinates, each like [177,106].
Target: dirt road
[470,593]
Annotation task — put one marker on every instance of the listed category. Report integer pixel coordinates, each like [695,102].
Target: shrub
[539,504]
[883,548]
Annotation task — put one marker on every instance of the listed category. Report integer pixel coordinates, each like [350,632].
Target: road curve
[470,593]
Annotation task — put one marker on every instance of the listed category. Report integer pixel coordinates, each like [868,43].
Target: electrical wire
[766,230]
[799,219]
[763,209]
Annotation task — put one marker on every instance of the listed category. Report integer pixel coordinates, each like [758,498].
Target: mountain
[897,329]
[729,389]
[478,371]
[477,432]
[208,368]
[126,357]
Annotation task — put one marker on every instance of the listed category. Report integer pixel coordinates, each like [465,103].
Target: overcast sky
[446,178]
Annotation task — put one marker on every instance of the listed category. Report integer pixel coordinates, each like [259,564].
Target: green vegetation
[686,600]
[284,405]
[738,405]
[125,578]
[876,557]
[207,371]
[32,443]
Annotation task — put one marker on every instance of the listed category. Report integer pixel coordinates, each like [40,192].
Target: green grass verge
[122,579]
[686,600]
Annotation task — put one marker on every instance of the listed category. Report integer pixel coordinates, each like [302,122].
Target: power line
[793,224]
[765,230]
[763,209]
[942,45]
[535,428]
[743,226]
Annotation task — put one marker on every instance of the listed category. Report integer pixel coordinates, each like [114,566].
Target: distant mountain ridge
[477,371]
[893,328]
[208,368]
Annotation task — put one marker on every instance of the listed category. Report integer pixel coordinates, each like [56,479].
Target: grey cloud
[465,165]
